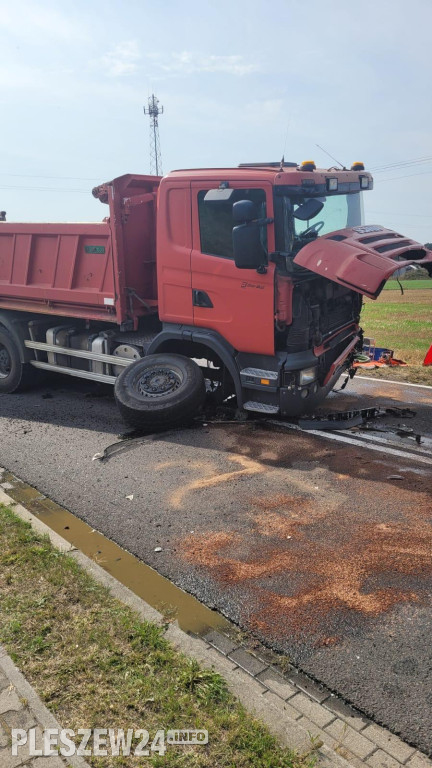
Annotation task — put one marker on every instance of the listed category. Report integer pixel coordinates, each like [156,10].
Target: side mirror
[309,209]
[244,211]
[247,247]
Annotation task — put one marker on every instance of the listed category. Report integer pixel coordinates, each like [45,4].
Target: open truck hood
[362,258]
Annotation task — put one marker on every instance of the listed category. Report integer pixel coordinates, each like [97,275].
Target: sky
[239,80]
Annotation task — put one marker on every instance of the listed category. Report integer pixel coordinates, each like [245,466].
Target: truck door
[174,243]
[237,303]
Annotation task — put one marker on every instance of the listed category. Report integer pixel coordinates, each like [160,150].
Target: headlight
[307,375]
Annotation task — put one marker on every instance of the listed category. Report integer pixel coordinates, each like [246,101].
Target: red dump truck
[247,281]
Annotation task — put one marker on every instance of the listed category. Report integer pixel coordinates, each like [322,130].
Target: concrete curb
[35,705]
[293,713]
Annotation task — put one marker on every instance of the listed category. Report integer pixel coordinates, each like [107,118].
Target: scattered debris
[401,431]
[128,441]
[404,431]
[375,357]
[404,413]
[362,418]
[340,419]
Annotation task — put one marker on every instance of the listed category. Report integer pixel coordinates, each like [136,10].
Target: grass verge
[97,665]
[404,324]
[408,285]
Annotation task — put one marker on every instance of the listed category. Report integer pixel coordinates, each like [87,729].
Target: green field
[404,324]
[408,285]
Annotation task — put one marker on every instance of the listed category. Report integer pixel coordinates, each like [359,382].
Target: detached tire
[158,391]
[15,376]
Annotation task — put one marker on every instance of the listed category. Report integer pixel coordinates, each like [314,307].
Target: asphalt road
[313,545]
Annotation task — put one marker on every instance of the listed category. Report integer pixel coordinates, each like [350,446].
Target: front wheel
[161,390]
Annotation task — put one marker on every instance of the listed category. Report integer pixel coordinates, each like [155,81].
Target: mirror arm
[262,222]
[262,269]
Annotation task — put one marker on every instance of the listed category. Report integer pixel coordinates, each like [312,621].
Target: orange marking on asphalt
[249,468]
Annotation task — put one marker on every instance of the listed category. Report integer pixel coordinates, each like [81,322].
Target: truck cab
[254,276]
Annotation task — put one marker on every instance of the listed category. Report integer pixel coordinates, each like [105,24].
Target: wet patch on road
[144,581]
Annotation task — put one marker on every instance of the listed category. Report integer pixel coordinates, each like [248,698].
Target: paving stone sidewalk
[297,700]
[21,707]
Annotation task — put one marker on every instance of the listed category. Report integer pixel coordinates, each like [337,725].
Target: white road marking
[392,381]
[371,446]
[371,443]
[407,446]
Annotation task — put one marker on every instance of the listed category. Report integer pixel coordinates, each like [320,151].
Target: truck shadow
[63,402]
[88,406]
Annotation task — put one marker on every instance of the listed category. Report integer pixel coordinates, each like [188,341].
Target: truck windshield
[338,212]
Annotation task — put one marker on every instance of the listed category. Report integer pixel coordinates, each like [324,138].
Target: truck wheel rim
[5,362]
[157,382]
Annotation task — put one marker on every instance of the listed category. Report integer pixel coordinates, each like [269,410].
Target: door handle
[201,299]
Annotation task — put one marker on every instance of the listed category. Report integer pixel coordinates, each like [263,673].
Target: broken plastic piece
[404,413]
[339,420]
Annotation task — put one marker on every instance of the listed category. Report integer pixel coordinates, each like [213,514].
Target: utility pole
[153,110]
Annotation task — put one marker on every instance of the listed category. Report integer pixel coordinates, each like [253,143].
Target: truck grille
[338,317]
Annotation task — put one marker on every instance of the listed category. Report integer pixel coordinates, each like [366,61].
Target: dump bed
[104,271]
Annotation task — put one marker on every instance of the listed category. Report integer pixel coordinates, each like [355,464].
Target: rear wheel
[161,390]
[14,375]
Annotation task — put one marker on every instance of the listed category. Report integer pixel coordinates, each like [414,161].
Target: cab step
[252,405]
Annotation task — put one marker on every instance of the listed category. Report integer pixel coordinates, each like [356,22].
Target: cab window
[216,220]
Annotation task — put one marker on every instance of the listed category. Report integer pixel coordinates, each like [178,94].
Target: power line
[44,189]
[402,164]
[63,178]
[408,176]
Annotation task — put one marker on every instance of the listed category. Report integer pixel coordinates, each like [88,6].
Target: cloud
[34,22]
[189,62]
[122,59]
